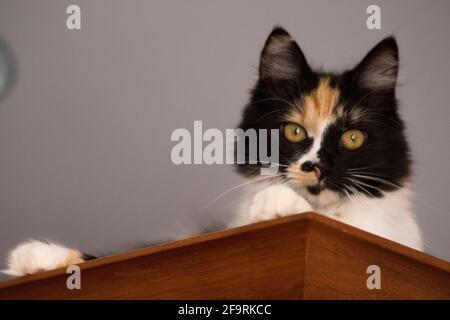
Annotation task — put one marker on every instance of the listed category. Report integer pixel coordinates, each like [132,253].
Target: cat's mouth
[313,186]
[317,188]
[313,181]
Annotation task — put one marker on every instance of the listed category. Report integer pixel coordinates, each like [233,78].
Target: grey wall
[85,133]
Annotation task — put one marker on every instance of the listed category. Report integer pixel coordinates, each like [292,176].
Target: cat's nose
[308,166]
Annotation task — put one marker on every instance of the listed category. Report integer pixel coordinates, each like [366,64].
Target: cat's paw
[36,256]
[277,201]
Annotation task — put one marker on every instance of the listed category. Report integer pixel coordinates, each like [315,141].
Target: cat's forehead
[317,108]
[321,107]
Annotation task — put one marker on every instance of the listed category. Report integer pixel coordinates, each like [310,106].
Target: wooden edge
[135,253]
[306,217]
[381,242]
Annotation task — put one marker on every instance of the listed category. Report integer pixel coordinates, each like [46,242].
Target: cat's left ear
[379,68]
[282,58]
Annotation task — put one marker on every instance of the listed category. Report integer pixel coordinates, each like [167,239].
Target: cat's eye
[352,139]
[294,132]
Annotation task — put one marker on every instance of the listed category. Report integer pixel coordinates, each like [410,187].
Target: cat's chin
[318,195]
[316,189]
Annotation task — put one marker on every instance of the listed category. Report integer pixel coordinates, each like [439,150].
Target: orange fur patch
[316,108]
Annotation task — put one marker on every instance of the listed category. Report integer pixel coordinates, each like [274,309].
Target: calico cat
[343,151]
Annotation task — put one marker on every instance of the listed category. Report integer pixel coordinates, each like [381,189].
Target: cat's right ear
[282,58]
[379,68]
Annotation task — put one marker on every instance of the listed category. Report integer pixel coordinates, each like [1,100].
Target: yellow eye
[294,132]
[352,139]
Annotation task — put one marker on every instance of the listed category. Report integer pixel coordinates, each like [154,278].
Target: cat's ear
[282,58]
[379,68]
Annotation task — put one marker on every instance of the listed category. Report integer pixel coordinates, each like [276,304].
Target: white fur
[312,154]
[270,202]
[389,217]
[35,256]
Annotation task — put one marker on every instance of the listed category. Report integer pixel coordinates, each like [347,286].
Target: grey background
[85,133]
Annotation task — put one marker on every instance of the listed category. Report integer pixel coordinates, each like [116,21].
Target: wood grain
[304,256]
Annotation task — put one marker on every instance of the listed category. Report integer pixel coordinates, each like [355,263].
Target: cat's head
[340,134]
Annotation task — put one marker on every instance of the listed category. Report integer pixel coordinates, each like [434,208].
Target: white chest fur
[389,217]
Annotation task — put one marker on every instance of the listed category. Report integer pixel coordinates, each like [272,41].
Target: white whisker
[377,180]
[239,186]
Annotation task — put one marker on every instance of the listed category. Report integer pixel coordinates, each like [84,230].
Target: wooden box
[304,256]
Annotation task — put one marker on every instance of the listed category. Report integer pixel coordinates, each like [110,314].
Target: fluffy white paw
[36,256]
[271,202]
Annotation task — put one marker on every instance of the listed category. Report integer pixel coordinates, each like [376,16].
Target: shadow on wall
[7,69]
